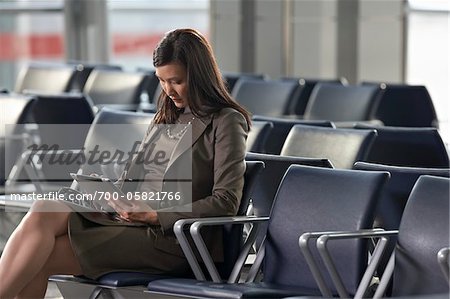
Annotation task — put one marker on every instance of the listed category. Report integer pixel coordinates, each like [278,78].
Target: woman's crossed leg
[38,248]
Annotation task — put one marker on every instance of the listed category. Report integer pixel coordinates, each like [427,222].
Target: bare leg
[61,261]
[29,248]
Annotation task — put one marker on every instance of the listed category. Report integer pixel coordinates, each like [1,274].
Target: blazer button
[163,204]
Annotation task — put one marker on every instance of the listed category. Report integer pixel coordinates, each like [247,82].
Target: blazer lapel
[149,137]
[198,126]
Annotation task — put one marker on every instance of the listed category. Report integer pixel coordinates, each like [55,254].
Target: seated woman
[67,242]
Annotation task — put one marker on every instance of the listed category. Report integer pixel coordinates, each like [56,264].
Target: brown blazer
[218,150]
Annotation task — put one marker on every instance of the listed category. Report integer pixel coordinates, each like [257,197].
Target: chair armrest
[204,253]
[196,224]
[312,264]
[443,261]
[178,229]
[378,252]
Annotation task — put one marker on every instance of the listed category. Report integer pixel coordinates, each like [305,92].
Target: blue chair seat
[114,279]
[127,278]
[208,289]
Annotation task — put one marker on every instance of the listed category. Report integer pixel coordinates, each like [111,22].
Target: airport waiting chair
[84,69]
[232,237]
[275,168]
[424,230]
[265,97]
[395,195]
[303,91]
[267,185]
[118,131]
[116,89]
[342,103]
[40,77]
[13,138]
[258,136]
[343,147]
[308,199]
[153,84]
[403,105]
[281,128]
[72,109]
[231,78]
[61,122]
[407,146]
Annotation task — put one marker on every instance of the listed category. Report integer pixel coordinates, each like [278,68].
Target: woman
[193,96]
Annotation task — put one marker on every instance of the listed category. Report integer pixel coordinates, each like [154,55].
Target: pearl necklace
[180,133]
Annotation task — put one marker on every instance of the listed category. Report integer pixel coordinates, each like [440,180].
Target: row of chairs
[103,84]
[312,203]
[63,120]
[264,189]
[419,147]
[389,104]
[401,146]
[315,199]
[312,99]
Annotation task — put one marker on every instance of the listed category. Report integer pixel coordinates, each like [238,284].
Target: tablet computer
[99,189]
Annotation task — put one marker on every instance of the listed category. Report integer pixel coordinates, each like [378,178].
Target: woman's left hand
[134,211]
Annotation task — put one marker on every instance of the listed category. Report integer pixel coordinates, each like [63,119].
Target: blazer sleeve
[229,168]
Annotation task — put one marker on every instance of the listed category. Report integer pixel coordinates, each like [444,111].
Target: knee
[49,206]
[32,221]
[43,215]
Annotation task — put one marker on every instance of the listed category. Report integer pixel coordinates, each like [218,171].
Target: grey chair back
[258,136]
[264,97]
[231,78]
[153,88]
[46,78]
[424,230]
[343,147]
[267,185]
[281,128]
[62,119]
[404,105]
[84,69]
[406,146]
[115,87]
[344,103]
[269,180]
[397,190]
[15,111]
[303,92]
[312,199]
[117,133]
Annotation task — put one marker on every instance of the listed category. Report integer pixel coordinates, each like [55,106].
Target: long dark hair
[206,89]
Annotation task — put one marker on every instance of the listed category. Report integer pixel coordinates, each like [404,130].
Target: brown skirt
[101,249]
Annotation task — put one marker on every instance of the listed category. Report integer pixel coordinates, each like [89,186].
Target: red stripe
[51,46]
[135,44]
[14,47]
